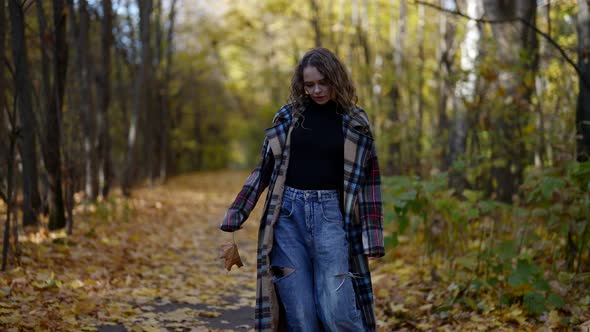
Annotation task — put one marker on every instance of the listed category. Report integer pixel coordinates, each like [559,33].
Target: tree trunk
[104,96]
[52,155]
[46,75]
[465,92]
[315,22]
[9,188]
[398,36]
[517,47]
[420,87]
[583,107]
[165,106]
[5,152]
[140,102]
[146,88]
[23,90]
[445,55]
[45,95]
[3,125]
[338,28]
[541,84]
[158,83]
[86,104]
[362,32]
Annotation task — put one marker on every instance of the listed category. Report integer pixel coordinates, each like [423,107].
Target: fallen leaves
[149,264]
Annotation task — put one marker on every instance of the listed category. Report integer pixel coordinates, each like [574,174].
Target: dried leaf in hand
[231,255]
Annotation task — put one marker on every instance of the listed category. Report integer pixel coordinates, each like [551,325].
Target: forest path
[181,283]
[144,264]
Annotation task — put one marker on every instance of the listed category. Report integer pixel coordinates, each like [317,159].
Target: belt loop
[319,195]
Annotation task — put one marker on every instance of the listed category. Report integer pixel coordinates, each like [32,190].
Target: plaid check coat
[362,209]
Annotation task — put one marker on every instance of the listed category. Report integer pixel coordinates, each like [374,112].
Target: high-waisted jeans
[309,263]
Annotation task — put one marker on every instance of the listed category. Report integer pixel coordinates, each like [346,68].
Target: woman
[322,217]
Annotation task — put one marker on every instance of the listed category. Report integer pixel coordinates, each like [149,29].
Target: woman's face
[316,86]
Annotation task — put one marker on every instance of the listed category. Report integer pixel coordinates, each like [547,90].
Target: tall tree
[583,103]
[82,101]
[87,113]
[445,54]
[517,46]
[104,97]
[149,119]
[420,97]
[141,93]
[362,34]
[465,92]
[165,105]
[45,72]
[315,22]
[23,91]
[5,151]
[2,75]
[52,154]
[398,37]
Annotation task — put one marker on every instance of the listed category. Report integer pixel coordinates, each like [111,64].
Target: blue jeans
[309,263]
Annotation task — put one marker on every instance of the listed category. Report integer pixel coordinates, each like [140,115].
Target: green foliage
[561,198]
[510,250]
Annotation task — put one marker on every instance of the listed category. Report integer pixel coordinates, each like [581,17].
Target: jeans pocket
[331,211]
[287,207]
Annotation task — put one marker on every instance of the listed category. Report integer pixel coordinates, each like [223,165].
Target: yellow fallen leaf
[425,307]
[151,329]
[554,318]
[209,314]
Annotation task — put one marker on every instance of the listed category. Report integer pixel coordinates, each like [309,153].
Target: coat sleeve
[244,203]
[370,206]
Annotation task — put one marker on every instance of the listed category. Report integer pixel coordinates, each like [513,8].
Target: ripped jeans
[309,263]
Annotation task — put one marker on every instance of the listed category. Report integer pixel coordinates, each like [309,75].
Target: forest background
[480,110]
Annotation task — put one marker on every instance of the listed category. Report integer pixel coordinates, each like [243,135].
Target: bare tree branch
[515,19]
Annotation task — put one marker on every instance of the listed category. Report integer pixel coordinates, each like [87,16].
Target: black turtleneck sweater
[317,149]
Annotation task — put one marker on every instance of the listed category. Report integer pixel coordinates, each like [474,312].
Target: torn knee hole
[343,276]
[280,271]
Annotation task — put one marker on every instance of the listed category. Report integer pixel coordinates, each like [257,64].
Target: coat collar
[355,120]
[354,123]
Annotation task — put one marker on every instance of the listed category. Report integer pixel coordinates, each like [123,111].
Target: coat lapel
[357,138]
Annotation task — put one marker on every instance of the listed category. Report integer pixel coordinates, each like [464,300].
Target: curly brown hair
[334,73]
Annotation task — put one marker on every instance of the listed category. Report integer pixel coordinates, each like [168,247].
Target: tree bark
[159,86]
[141,93]
[362,33]
[420,87]
[517,47]
[583,102]
[446,51]
[146,87]
[52,155]
[105,172]
[465,92]
[165,106]
[398,36]
[5,152]
[3,105]
[45,72]
[9,189]
[23,90]
[86,103]
[315,22]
